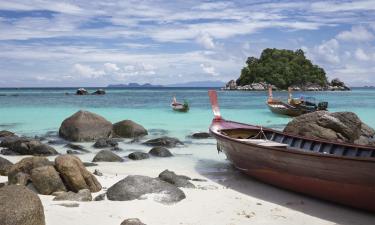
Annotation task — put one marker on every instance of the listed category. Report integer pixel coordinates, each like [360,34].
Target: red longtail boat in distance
[338,172]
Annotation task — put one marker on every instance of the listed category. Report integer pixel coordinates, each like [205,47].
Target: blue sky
[95,43]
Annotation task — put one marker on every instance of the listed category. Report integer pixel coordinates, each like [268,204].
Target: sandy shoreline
[227,197]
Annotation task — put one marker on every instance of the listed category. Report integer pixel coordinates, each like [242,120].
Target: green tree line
[282,68]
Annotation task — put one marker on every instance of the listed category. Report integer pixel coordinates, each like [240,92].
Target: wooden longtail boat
[338,172]
[294,107]
[180,107]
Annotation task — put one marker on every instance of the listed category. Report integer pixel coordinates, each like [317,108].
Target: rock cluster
[15,145]
[338,126]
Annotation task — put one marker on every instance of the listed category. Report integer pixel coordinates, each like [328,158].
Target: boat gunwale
[288,150]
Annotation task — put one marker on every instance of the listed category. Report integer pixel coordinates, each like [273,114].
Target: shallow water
[36,111]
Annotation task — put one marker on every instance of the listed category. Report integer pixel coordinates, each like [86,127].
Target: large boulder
[138,155]
[47,180]
[83,195]
[177,180]
[168,142]
[129,129]
[85,126]
[107,156]
[20,206]
[137,187]
[5,133]
[132,221]
[5,166]
[74,174]
[160,152]
[338,126]
[21,171]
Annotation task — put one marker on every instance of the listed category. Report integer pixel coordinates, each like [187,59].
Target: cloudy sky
[95,43]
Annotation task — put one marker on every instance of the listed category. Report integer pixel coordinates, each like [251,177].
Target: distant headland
[187,84]
[281,69]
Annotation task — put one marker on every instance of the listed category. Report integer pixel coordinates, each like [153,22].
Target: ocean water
[35,111]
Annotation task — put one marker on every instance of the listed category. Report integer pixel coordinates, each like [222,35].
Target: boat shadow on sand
[225,174]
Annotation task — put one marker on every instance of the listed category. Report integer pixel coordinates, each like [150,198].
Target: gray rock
[201,135]
[138,155]
[74,174]
[25,146]
[98,173]
[83,195]
[20,172]
[132,221]
[160,152]
[72,152]
[107,156]
[69,205]
[136,187]
[8,152]
[177,180]
[338,126]
[99,92]
[5,166]
[82,91]
[20,206]
[85,126]
[76,147]
[89,164]
[129,129]
[46,180]
[105,143]
[5,133]
[164,142]
[58,142]
[100,197]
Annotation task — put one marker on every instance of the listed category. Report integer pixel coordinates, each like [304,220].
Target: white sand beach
[227,197]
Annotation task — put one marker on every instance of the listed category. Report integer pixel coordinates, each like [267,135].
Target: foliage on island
[282,68]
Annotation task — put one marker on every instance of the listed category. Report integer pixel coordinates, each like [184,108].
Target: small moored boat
[338,172]
[179,107]
[294,106]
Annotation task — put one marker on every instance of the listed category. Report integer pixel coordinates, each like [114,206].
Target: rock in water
[46,180]
[20,206]
[99,92]
[83,195]
[200,135]
[129,129]
[5,166]
[138,155]
[82,91]
[5,133]
[164,141]
[105,143]
[132,221]
[160,152]
[85,126]
[135,187]
[24,146]
[177,180]
[107,156]
[100,197]
[75,176]
[22,169]
[338,126]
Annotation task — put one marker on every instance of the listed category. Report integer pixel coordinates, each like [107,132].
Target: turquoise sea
[35,111]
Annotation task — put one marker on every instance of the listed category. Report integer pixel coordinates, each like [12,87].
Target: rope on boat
[260,134]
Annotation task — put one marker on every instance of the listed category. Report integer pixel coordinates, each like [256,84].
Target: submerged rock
[132,221]
[168,142]
[5,166]
[99,92]
[82,91]
[76,147]
[107,156]
[83,195]
[100,197]
[129,129]
[177,180]
[160,152]
[138,155]
[85,126]
[20,206]
[105,143]
[75,176]
[98,173]
[338,126]
[25,146]
[201,135]
[136,187]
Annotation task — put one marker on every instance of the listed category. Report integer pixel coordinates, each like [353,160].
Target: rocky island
[281,68]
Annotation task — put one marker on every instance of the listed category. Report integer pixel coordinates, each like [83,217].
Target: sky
[96,43]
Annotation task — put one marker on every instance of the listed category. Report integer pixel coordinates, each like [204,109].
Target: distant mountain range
[187,84]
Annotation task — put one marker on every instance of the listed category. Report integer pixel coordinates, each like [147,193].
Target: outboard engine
[322,105]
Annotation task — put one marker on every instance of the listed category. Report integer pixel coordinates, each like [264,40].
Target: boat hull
[286,111]
[346,181]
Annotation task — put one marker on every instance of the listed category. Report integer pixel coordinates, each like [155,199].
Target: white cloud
[206,41]
[111,67]
[328,51]
[361,55]
[209,69]
[87,71]
[357,33]
[336,6]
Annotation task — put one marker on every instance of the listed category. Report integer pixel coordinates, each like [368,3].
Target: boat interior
[269,138]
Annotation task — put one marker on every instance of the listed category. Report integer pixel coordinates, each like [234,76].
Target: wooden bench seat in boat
[264,142]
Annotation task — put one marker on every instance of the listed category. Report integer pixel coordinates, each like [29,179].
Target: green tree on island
[282,68]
